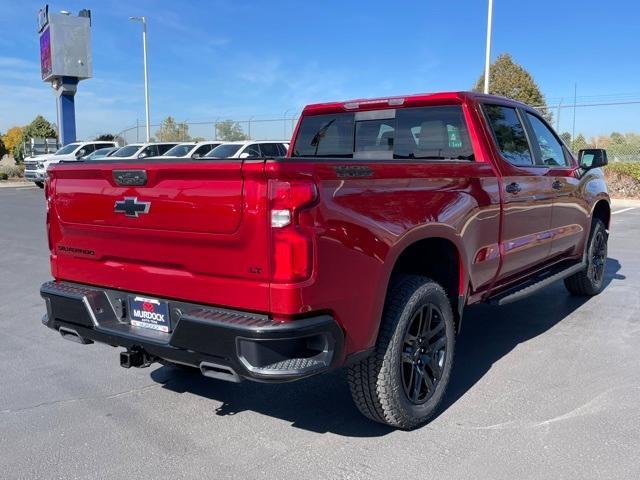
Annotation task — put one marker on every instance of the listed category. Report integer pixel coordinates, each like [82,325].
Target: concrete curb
[624,202]
[9,184]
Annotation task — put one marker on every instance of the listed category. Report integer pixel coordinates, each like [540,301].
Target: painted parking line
[623,210]
[27,188]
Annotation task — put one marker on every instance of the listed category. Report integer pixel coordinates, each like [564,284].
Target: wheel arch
[602,211]
[438,256]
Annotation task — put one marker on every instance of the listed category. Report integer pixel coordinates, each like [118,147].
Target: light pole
[284,123]
[143,20]
[487,55]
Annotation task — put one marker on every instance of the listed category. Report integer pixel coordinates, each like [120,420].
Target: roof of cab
[403,101]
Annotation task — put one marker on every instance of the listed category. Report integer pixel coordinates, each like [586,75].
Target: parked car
[360,249]
[101,153]
[135,151]
[191,149]
[35,169]
[250,149]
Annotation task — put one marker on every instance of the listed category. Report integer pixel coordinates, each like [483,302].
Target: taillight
[48,199]
[292,237]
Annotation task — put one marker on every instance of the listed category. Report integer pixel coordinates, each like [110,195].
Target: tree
[106,137]
[110,137]
[579,143]
[230,131]
[170,131]
[3,149]
[509,79]
[566,137]
[12,139]
[38,128]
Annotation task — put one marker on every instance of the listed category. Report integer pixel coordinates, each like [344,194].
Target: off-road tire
[377,383]
[590,281]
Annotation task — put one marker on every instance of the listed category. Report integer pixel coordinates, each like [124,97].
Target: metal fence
[614,125]
[254,128]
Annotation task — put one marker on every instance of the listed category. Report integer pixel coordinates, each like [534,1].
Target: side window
[150,151]
[252,150]
[269,150]
[325,136]
[509,134]
[282,149]
[89,148]
[203,150]
[163,148]
[549,149]
[434,133]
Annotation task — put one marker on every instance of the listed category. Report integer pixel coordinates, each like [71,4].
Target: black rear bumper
[223,343]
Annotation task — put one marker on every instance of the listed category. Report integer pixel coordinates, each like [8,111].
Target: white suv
[250,149]
[191,149]
[135,151]
[35,168]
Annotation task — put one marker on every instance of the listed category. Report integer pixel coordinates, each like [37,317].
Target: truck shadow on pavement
[323,404]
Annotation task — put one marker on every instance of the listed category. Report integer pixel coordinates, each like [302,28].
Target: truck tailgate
[194,230]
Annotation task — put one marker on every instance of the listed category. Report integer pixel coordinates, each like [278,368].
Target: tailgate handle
[130,178]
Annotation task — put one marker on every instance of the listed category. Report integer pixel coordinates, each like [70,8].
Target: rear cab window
[427,133]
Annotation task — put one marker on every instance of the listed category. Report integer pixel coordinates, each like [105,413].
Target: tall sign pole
[65,59]
[487,55]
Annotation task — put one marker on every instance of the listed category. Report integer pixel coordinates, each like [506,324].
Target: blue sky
[235,58]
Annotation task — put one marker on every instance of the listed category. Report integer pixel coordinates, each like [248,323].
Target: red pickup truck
[360,248]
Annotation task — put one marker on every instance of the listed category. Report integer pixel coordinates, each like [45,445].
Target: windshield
[224,151]
[179,150]
[127,151]
[68,149]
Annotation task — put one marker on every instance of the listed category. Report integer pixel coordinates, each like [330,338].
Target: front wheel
[590,281]
[40,184]
[402,383]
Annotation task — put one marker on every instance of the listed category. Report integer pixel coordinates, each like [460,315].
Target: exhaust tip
[219,372]
[72,335]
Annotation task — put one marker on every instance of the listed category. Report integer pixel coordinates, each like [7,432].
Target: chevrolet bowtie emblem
[131,207]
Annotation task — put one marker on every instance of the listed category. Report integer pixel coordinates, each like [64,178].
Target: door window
[549,152]
[509,134]
[269,150]
[282,149]
[252,150]
[150,151]
[204,149]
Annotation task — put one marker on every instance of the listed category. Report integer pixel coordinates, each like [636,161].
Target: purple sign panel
[45,53]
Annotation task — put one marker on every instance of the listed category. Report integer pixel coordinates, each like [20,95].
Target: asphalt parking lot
[545,388]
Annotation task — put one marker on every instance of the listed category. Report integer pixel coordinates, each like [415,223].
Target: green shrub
[4,176]
[629,169]
[623,179]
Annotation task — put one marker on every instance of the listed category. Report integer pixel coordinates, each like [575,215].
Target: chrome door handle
[513,188]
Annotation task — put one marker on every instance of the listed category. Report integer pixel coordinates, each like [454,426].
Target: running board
[532,286]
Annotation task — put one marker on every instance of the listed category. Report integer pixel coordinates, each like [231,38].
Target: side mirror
[80,153]
[143,155]
[244,155]
[592,158]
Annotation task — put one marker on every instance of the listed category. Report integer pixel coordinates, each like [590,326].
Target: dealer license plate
[149,313]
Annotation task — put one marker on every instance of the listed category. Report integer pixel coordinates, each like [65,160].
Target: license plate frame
[150,313]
